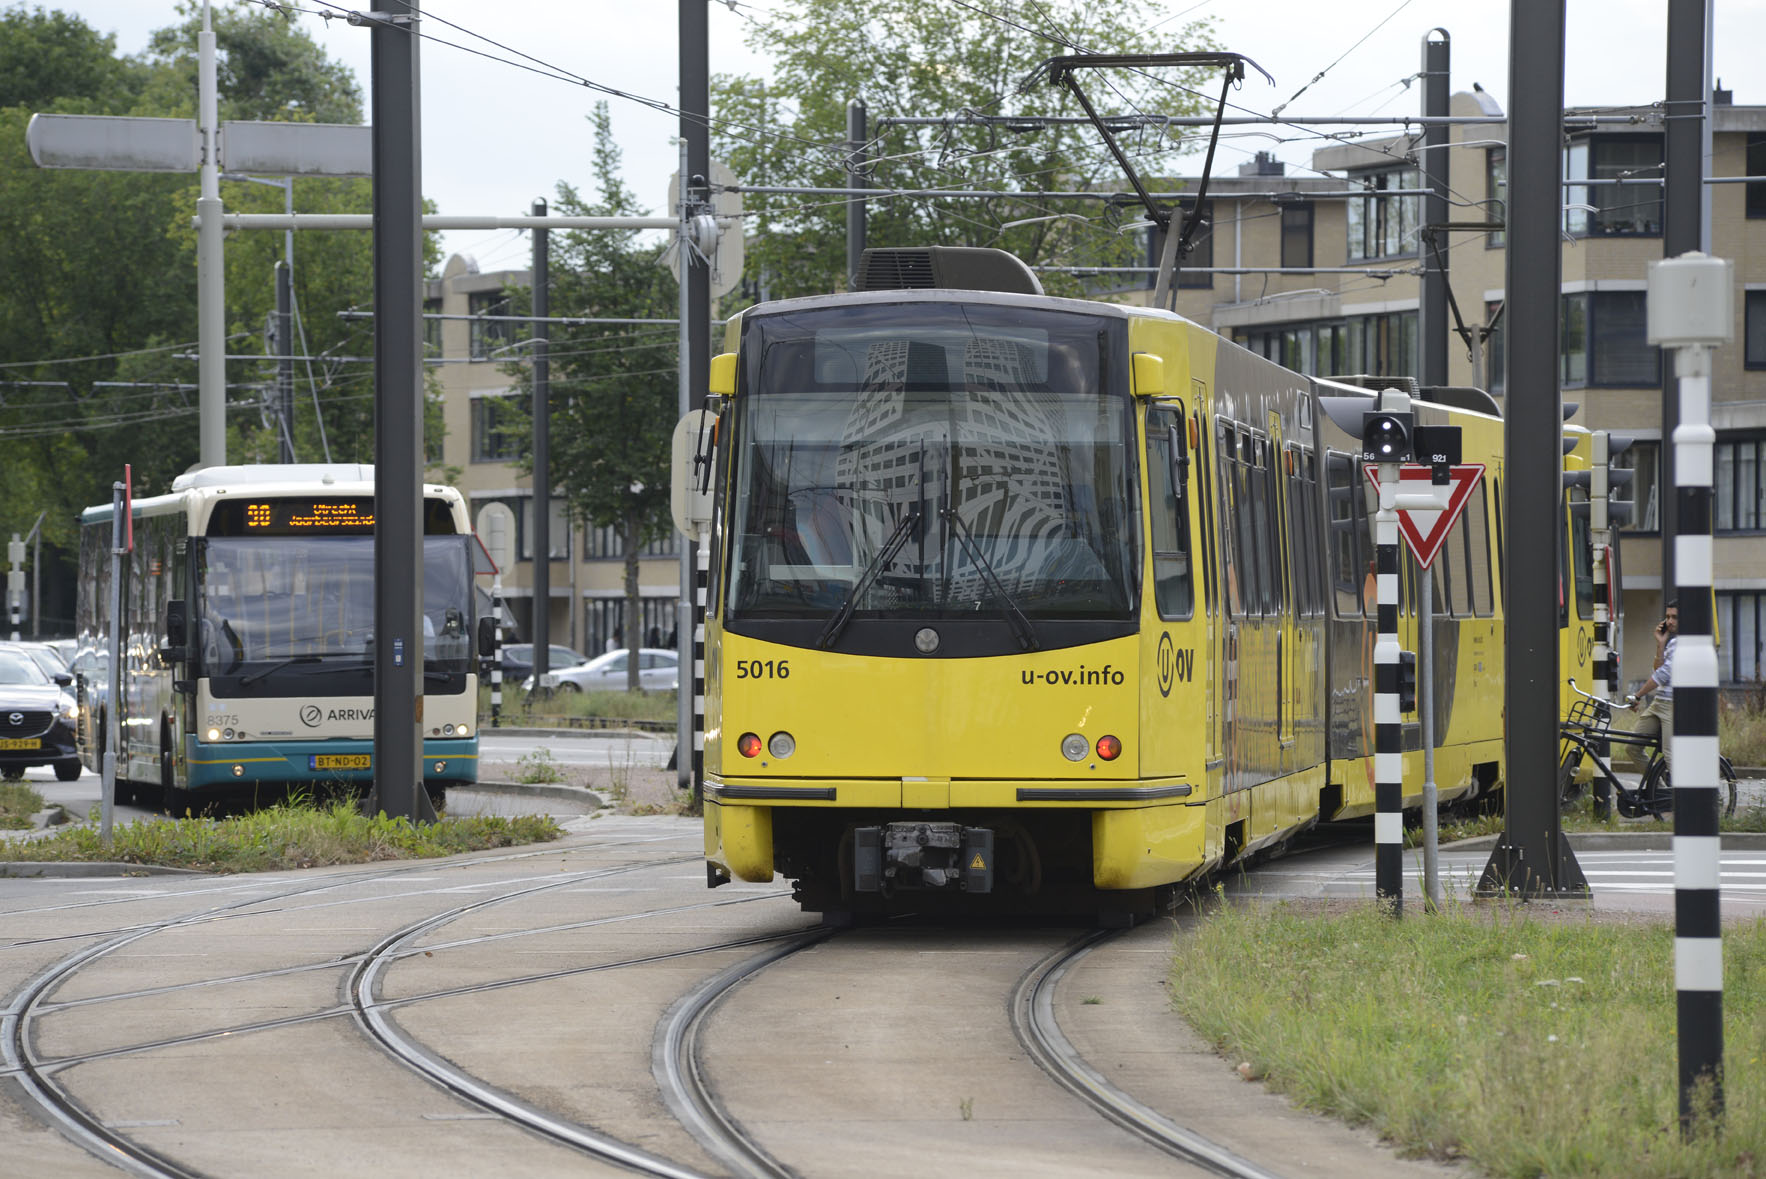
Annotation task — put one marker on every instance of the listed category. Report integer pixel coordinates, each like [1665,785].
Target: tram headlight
[748,745]
[781,745]
[1109,748]
[1074,746]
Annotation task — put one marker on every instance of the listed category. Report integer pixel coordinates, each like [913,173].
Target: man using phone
[1657,716]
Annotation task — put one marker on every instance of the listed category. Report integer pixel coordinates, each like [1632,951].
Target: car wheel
[12,773]
[68,770]
[569,688]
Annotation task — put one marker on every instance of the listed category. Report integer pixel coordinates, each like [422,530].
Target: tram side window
[1304,541]
[1476,523]
[1452,575]
[1231,532]
[1253,515]
[1269,527]
[1348,534]
[1168,510]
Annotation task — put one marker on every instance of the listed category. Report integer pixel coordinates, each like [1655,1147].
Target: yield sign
[1424,529]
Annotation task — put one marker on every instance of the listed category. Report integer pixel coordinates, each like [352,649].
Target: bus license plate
[338,761]
[21,743]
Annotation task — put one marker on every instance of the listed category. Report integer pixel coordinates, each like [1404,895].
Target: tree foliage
[615,389]
[906,58]
[98,313]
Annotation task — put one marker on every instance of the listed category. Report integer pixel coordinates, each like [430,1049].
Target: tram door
[1287,634]
[1209,562]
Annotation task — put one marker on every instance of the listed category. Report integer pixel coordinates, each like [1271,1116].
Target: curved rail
[675,1064]
[1033,1019]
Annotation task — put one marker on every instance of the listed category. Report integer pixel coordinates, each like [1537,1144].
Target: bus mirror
[695,441]
[177,634]
[487,636]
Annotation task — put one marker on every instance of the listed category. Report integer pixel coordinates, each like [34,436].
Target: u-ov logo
[1167,664]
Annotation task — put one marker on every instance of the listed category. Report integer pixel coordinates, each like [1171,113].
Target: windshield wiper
[842,616]
[254,677]
[1020,624]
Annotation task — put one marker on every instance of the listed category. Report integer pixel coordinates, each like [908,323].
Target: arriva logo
[312,714]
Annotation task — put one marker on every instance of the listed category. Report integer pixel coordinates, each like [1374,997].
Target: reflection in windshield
[1014,487]
[311,600]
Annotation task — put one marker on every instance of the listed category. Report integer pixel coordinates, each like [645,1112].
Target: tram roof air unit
[962,268]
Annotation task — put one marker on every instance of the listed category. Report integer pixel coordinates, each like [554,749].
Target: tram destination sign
[1425,529]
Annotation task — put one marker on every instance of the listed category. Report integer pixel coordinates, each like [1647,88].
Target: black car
[37,716]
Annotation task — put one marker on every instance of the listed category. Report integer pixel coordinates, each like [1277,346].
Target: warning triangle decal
[1424,529]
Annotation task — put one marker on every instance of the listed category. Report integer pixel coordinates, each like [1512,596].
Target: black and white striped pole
[1599,490]
[1691,310]
[1386,443]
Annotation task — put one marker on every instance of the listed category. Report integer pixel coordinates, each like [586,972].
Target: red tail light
[748,745]
[1109,748]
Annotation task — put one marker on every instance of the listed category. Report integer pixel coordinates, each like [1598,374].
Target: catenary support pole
[857,170]
[211,294]
[113,693]
[1533,858]
[695,80]
[542,455]
[285,359]
[1433,325]
[398,419]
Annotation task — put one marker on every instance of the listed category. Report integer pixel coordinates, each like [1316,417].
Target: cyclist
[1656,719]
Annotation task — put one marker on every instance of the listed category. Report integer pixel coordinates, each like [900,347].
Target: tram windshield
[932,460]
[296,614]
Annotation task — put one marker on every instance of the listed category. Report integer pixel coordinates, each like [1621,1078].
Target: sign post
[1430,498]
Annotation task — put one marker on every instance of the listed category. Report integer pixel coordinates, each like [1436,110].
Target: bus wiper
[842,616]
[1020,624]
[254,677]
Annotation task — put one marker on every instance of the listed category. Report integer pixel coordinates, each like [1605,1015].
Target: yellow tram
[1028,602]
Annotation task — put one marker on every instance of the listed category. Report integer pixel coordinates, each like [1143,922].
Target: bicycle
[1586,730]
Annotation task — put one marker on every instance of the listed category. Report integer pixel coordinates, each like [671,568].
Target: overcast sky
[495,137]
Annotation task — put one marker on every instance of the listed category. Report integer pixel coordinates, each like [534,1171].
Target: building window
[1380,225]
[1604,341]
[1738,624]
[605,620]
[1754,329]
[496,433]
[557,532]
[490,334]
[432,328]
[1757,167]
[1495,355]
[1383,345]
[1496,195]
[1736,485]
[1632,209]
[1296,236]
[1644,461]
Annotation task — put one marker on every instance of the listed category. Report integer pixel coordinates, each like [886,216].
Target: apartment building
[471,353]
[1356,311]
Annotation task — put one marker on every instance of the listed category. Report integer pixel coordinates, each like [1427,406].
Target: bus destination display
[313,516]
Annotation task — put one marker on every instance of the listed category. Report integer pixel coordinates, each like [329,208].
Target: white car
[658,670]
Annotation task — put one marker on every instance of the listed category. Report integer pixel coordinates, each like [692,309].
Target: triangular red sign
[1424,531]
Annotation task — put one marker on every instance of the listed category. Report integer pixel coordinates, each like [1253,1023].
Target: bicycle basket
[1594,715]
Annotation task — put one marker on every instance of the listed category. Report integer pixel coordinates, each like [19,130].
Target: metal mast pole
[1437,52]
[542,454]
[285,357]
[1533,858]
[211,303]
[857,156]
[695,81]
[398,419]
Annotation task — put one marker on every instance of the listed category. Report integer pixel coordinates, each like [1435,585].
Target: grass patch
[18,803]
[1526,1045]
[1741,729]
[566,709]
[1580,820]
[288,836]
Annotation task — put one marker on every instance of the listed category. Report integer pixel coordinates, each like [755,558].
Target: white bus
[248,635]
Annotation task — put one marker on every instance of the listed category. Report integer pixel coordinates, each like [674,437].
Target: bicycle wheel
[1569,790]
[1657,791]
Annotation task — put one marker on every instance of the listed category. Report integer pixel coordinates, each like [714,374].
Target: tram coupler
[922,857]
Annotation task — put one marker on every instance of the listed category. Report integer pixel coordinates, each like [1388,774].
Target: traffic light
[1386,437]
[1407,681]
[1611,482]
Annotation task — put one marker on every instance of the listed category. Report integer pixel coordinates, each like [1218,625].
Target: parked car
[37,717]
[658,670]
[518,660]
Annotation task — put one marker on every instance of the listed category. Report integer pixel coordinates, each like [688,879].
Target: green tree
[614,389]
[101,266]
[906,58]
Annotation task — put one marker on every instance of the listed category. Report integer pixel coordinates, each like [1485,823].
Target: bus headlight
[214,734]
[462,730]
[1074,746]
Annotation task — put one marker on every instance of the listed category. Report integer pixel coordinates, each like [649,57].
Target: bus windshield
[298,612]
[932,460]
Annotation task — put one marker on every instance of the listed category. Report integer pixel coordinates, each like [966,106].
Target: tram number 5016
[763,669]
